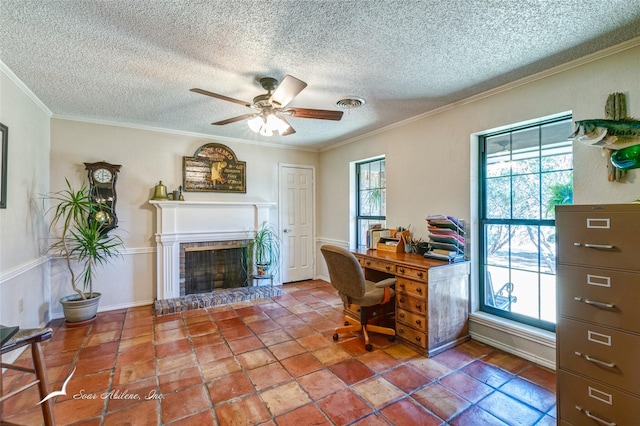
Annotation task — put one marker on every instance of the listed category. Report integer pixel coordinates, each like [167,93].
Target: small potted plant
[263,250]
[81,240]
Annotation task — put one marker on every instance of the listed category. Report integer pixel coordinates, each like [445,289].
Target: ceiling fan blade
[224,98]
[234,119]
[290,130]
[320,114]
[286,91]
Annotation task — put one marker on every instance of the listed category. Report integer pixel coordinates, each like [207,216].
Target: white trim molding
[22,268]
[524,341]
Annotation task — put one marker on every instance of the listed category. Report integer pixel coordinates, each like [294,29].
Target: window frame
[483,221]
[358,216]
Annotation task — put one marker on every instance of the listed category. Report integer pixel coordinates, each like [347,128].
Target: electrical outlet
[20,305]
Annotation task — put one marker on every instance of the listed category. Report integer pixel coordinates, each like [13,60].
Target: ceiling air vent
[350,103]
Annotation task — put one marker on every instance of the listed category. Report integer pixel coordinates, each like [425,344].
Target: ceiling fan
[272,107]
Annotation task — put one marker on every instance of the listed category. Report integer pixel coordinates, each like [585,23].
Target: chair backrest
[345,272]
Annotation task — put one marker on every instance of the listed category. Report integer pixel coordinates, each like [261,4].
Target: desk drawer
[416,321]
[412,304]
[601,353]
[598,295]
[412,273]
[378,265]
[580,401]
[414,336]
[413,288]
[598,238]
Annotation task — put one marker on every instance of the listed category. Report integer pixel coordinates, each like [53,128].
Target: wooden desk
[432,297]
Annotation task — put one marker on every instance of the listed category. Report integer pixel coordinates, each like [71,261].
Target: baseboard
[59,315]
[533,338]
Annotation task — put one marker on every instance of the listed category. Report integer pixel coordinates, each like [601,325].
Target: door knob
[286,230]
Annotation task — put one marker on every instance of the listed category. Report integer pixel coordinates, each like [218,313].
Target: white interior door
[297,222]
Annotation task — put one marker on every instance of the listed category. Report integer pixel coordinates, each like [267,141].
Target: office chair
[501,299]
[347,277]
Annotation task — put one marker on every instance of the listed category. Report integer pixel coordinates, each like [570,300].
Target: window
[371,197]
[524,172]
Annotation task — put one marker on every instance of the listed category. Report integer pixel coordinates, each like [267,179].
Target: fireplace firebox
[210,266]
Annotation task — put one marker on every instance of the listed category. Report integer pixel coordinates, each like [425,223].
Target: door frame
[282,166]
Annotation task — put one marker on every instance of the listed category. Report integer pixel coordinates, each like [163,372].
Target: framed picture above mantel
[214,168]
[4,140]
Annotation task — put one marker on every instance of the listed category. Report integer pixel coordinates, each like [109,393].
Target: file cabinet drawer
[599,295]
[412,288]
[411,303]
[601,353]
[582,401]
[412,273]
[414,320]
[599,238]
[414,336]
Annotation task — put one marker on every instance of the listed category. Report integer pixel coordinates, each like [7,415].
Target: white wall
[431,164]
[23,266]
[148,156]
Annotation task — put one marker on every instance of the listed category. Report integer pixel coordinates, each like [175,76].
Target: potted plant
[82,241]
[263,250]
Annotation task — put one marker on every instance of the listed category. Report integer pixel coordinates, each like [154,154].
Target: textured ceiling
[134,62]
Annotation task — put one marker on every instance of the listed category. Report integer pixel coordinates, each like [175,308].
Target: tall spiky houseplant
[264,250]
[80,238]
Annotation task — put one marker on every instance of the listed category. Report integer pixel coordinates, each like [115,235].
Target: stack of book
[447,238]
[374,234]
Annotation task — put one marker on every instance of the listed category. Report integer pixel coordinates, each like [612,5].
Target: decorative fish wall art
[611,134]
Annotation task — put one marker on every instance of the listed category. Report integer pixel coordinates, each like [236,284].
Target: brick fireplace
[181,224]
[212,265]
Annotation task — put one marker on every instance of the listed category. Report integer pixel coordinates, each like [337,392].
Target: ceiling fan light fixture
[275,123]
[266,131]
[256,123]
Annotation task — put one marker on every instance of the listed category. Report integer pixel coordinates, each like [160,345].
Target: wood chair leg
[43,383]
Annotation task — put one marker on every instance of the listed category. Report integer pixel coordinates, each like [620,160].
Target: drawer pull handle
[401,315]
[388,268]
[401,300]
[595,303]
[418,322]
[418,338]
[419,274]
[597,419]
[599,246]
[597,361]
[402,270]
[418,290]
[418,306]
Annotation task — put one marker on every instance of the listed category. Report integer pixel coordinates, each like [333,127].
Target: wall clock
[102,189]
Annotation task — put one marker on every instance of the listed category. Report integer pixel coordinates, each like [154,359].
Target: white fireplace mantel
[198,221]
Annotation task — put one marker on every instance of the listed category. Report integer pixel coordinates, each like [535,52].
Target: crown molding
[23,87]
[601,54]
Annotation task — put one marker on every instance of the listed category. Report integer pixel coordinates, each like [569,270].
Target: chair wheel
[392,338]
[335,336]
[368,348]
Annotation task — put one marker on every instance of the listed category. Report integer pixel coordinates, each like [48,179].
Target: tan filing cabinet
[598,327]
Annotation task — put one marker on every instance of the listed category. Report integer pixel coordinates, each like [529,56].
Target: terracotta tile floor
[270,362]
